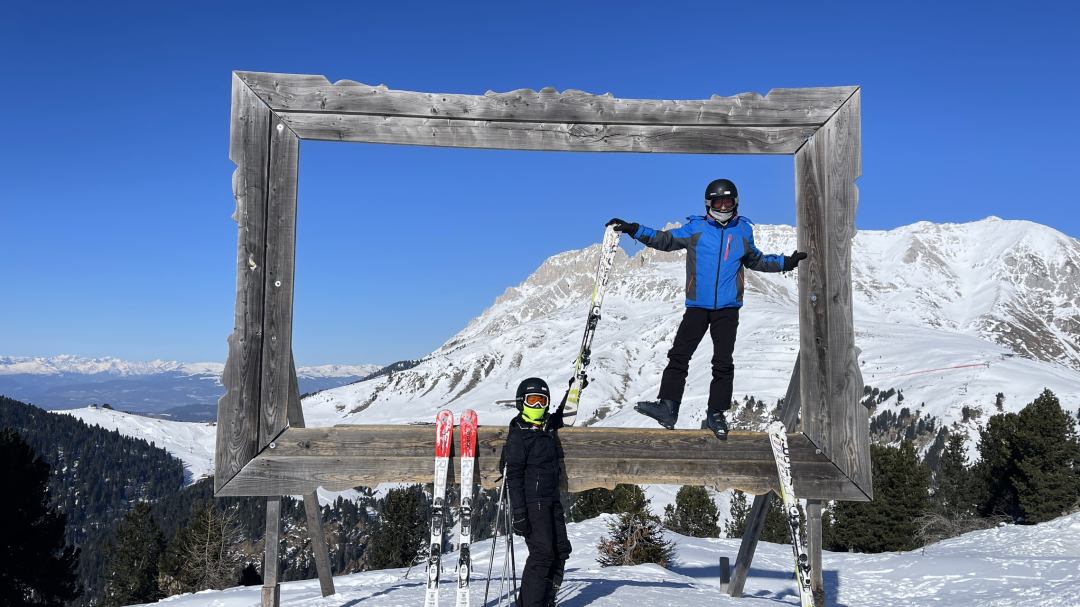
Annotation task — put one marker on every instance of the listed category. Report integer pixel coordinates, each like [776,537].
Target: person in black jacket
[532,479]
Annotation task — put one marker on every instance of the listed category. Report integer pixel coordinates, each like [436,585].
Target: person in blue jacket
[719,245]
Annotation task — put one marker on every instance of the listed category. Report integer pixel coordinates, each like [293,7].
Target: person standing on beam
[719,245]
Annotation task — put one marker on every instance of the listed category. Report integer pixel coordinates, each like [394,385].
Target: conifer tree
[400,530]
[694,513]
[131,572]
[901,494]
[739,512]
[203,556]
[637,536]
[594,502]
[957,493]
[997,466]
[1046,451]
[36,566]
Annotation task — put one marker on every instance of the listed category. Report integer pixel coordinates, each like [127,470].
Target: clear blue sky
[115,182]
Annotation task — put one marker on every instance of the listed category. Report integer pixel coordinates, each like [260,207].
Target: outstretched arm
[664,240]
[759,262]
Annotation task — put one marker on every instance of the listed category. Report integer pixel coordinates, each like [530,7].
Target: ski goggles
[536,400]
[724,205]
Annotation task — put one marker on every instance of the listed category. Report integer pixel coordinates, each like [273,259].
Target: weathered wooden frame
[262,446]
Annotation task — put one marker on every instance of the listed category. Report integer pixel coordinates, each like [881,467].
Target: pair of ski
[444,430]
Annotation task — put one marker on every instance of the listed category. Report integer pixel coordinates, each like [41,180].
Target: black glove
[622,226]
[521,524]
[790,261]
[584,382]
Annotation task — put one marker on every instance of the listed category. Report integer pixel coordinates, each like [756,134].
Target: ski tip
[444,416]
[468,416]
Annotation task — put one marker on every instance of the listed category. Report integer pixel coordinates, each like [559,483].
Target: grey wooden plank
[271,568]
[238,409]
[754,523]
[280,268]
[548,136]
[342,457]
[318,542]
[780,107]
[813,536]
[296,410]
[825,172]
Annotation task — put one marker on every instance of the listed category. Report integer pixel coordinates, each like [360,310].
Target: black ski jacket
[532,462]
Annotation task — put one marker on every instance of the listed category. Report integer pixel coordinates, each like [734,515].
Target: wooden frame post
[271,113]
[271,591]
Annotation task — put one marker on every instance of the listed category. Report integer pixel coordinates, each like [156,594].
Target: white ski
[778,440]
[468,456]
[444,429]
[603,273]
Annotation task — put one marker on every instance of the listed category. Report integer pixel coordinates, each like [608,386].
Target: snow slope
[1037,566]
[191,443]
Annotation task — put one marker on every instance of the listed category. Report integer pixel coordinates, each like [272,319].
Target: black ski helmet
[721,188]
[533,385]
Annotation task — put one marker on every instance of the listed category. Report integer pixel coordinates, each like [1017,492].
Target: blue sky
[115,182]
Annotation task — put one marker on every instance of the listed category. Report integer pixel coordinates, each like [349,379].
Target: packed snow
[191,443]
[1037,566]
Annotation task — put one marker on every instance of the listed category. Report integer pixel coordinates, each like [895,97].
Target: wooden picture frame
[262,445]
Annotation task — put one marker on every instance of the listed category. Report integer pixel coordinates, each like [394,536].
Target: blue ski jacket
[715,258]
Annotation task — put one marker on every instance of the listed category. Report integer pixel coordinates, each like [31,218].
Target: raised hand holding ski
[444,429]
[608,247]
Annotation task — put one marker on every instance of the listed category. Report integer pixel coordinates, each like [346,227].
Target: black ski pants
[723,324]
[548,550]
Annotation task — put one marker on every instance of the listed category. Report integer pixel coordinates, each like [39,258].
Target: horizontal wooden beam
[780,107]
[348,456]
[548,136]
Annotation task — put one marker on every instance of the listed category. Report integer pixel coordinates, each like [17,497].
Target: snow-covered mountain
[1017,566]
[949,314]
[187,390]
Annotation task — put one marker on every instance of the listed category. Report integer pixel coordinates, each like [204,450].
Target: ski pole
[513,565]
[495,535]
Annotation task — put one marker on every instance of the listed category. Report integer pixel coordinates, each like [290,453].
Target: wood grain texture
[238,409]
[780,107]
[296,410]
[548,136]
[343,457]
[813,537]
[280,264]
[826,196]
[318,542]
[271,568]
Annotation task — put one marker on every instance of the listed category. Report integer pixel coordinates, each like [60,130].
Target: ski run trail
[1017,566]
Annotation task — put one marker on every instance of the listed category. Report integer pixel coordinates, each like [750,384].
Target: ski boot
[664,411]
[715,421]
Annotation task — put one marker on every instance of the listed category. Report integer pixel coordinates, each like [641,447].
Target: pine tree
[901,494]
[400,530]
[637,537]
[1046,481]
[594,502]
[694,513]
[739,512]
[958,493]
[131,572]
[36,565]
[997,466]
[203,556]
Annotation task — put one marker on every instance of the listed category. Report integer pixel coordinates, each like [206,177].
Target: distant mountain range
[186,391]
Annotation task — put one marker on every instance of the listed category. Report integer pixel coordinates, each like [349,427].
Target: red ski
[444,430]
[468,457]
